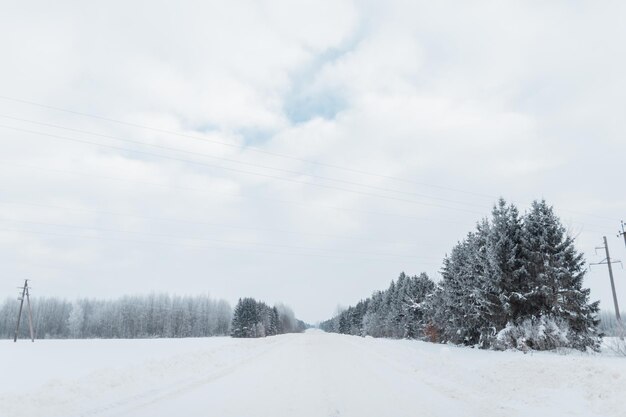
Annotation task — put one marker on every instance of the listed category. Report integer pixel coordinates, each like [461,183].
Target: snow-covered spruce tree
[406,310]
[245,318]
[356,318]
[373,317]
[416,290]
[478,293]
[513,282]
[253,318]
[505,266]
[264,313]
[396,312]
[447,308]
[344,321]
[556,310]
[390,310]
[274,325]
[466,302]
[397,315]
[237,325]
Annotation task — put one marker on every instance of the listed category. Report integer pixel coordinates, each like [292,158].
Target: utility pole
[25,294]
[623,232]
[608,262]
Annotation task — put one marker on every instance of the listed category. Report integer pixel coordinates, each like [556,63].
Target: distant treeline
[395,312]
[129,317]
[254,318]
[514,282]
[156,315]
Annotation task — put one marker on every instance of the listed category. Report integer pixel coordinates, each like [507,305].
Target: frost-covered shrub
[538,333]
[617,345]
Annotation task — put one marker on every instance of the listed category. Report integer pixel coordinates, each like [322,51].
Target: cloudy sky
[297,151]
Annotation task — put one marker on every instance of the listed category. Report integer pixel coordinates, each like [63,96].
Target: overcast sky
[303,152]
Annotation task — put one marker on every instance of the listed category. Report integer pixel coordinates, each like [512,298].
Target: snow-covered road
[311,374]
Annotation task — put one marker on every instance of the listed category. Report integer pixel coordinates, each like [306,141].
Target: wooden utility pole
[623,232]
[608,262]
[25,294]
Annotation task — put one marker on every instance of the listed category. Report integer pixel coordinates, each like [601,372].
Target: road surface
[313,374]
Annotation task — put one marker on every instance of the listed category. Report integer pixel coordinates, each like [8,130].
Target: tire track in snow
[154,395]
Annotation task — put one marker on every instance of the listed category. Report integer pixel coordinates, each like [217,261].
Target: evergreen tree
[555,276]
[418,288]
[372,319]
[515,281]
[396,312]
[253,318]
[466,299]
[505,263]
[274,327]
[245,318]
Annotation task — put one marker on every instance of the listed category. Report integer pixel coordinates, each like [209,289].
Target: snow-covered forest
[254,318]
[155,315]
[513,282]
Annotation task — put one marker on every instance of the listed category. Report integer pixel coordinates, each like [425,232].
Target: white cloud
[514,99]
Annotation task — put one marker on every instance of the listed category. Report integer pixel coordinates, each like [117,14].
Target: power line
[214,240]
[282,201]
[251,164]
[238,170]
[383,257]
[265,175]
[249,148]
[203,223]
[175,187]
[214,224]
[580,213]
[206,240]
[234,161]
[169,132]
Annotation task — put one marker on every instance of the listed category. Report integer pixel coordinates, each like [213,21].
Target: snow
[310,374]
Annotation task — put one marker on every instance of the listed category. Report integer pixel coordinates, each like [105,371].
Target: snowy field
[297,375]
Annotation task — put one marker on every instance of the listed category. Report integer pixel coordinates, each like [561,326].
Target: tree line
[155,315]
[513,282]
[253,318]
[148,316]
